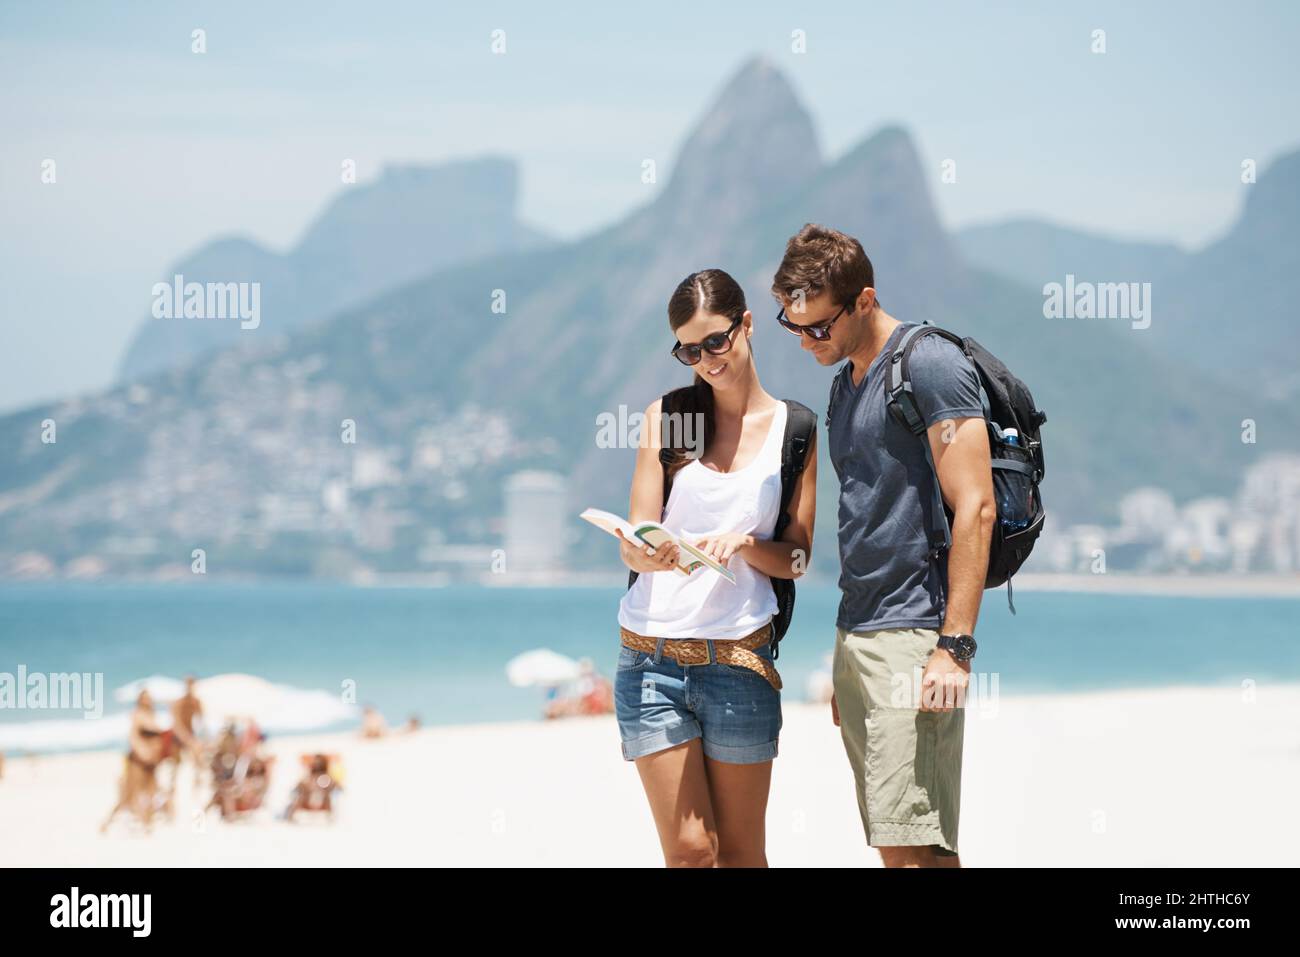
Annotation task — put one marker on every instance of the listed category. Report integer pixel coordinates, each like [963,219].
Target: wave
[279,709]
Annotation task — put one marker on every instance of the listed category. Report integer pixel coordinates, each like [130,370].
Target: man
[187,712]
[905,604]
[187,716]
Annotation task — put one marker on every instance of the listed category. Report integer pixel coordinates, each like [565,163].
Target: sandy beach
[1179,777]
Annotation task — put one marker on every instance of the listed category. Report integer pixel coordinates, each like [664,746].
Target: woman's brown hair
[716,293]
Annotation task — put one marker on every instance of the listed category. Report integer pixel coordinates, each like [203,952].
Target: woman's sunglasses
[821,332]
[715,345]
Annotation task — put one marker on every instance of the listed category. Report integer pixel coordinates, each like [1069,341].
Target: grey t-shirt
[888,578]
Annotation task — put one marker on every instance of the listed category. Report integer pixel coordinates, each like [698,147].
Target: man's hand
[943,685]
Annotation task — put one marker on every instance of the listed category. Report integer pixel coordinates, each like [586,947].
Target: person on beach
[697,697]
[241,770]
[588,694]
[187,714]
[906,610]
[593,690]
[373,724]
[138,786]
[315,790]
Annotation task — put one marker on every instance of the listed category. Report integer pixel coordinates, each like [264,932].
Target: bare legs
[922,855]
[708,813]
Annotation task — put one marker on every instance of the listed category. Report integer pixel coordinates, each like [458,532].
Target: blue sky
[159,149]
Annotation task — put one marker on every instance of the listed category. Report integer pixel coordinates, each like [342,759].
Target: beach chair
[241,773]
[316,791]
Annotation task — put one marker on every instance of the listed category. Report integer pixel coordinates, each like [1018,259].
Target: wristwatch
[961,647]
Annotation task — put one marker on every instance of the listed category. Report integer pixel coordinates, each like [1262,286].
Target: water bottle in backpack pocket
[1013,487]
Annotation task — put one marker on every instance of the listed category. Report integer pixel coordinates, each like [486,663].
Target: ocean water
[441,653]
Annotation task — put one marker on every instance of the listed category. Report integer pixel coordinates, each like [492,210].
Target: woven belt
[727,651]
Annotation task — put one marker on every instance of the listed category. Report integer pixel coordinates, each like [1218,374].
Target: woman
[146,749]
[696,695]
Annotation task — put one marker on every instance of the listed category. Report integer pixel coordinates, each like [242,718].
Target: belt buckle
[683,647]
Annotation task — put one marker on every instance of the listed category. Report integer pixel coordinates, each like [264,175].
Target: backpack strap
[665,406]
[902,406]
[800,423]
[836,384]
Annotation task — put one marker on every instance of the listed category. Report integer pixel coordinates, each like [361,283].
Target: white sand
[1169,777]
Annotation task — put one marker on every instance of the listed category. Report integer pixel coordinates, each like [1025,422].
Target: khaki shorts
[907,762]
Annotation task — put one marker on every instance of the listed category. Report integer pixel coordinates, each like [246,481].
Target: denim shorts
[660,704]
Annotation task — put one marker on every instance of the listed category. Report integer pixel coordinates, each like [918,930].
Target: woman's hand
[642,558]
[721,547]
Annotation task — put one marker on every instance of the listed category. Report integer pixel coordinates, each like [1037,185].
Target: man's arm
[961,457]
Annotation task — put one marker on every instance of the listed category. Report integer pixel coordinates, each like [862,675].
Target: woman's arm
[647,499]
[788,557]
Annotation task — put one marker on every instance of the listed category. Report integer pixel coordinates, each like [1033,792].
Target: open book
[654,535]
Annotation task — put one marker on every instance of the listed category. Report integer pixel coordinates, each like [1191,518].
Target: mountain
[1231,306]
[456,380]
[1224,310]
[371,237]
[1037,253]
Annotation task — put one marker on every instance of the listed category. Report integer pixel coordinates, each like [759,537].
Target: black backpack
[800,423]
[1017,469]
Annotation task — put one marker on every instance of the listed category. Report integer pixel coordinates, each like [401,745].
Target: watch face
[964,645]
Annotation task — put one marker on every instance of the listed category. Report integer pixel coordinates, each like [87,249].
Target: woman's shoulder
[672,399]
[675,398]
[796,407]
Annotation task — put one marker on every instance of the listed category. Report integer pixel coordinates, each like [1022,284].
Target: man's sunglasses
[821,332]
[715,345]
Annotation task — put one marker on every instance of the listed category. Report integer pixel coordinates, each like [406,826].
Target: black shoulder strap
[800,423]
[902,406]
[898,383]
[665,403]
[666,408]
[836,384]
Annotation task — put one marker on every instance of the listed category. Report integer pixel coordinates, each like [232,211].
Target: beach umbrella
[237,696]
[161,688]
[541,667]
[272,706]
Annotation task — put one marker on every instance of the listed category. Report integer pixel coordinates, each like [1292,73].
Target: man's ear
[866,300]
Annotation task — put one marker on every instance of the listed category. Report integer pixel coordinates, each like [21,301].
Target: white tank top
[705,502]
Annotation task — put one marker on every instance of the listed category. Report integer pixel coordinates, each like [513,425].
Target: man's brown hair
[818,259]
